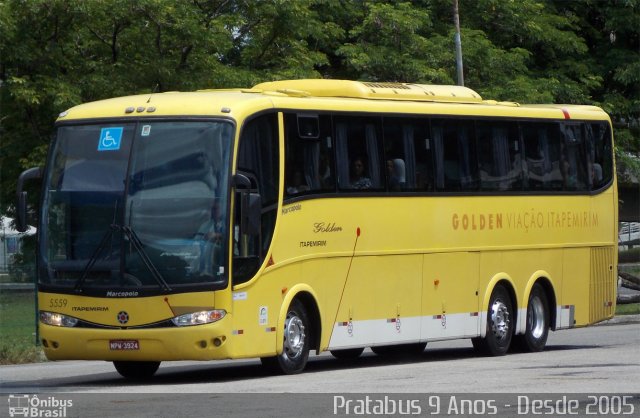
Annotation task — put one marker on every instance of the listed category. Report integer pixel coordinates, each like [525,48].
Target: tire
[137,370]
[400,350]
[538,319]
[347,354]
[500,322]
[296,342]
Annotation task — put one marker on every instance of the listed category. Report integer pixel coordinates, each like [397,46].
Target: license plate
[119,345]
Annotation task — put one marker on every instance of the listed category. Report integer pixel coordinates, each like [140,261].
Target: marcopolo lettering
[112,294]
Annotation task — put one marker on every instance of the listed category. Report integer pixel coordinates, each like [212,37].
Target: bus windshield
[136,206]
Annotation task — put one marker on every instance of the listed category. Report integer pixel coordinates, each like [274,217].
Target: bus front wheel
[500,320]
[296,342]
[538,318]
[136,370]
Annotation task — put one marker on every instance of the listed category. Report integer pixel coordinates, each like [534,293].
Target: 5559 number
[57,303]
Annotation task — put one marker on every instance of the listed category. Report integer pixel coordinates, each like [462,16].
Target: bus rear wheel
[499,330]
[136,370]
[347,353]
[296,342]
[538,318]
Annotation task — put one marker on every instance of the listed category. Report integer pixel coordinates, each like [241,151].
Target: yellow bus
[320,215]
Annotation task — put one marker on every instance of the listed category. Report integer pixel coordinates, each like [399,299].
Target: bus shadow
[317,364]
[230,371]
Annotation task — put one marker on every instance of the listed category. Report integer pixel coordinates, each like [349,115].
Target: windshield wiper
[94,257]
[137,244]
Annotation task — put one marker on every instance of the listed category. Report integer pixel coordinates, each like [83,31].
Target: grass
[629,256]
[628,309]
[630,268]
[17,329]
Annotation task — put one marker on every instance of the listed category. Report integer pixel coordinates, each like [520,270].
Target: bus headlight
[58,320]
[199,318]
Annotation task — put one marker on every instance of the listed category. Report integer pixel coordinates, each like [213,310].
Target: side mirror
[250,213]
[21,203]
[250,205]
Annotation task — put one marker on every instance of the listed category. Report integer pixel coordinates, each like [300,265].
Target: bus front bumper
[198,342]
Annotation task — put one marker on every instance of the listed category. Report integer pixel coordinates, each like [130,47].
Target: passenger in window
[596,174]
[359,180]
[297,184]
[324,175]
[396,173]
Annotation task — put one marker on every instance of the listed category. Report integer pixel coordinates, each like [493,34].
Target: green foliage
[628,309]
[386,44]
[55,54]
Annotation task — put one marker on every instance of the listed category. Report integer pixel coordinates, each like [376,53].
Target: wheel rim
[500,319]
[536,317]
[294,336]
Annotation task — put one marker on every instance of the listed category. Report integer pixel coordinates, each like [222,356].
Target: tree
[611,29]
[55,54]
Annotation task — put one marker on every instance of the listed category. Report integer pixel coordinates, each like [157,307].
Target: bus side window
[258,158]
[599,161]
[456,159]
[359,153]
[574,157]
[542,156]
[308,161]
[408,154]
[500,160]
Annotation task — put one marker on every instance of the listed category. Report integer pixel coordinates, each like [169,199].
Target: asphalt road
[595,367]
[595,359]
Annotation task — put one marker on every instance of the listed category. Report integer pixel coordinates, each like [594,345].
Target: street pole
[456,21]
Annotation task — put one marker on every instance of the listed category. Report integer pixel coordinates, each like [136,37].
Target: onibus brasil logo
[33,406]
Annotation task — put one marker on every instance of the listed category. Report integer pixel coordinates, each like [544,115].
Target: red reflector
[565,112]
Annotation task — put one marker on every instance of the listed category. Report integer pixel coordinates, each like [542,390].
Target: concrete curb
[16,286]
[622,319]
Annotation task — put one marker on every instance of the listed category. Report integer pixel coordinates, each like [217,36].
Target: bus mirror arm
[240,181]
[21,204]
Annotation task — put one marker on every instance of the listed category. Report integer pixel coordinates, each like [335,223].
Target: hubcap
[500,319]
[535,317]
[294,336]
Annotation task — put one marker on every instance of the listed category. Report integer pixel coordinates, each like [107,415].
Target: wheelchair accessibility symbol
[110,139]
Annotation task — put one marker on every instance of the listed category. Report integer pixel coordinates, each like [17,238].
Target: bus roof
[321,95]
[369,90]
